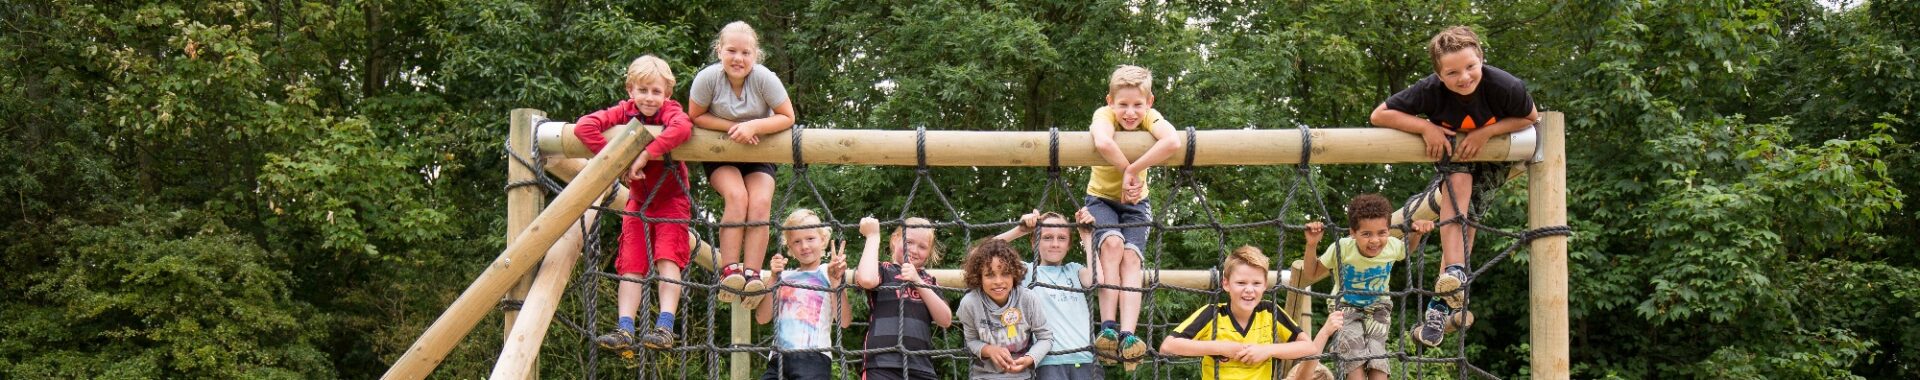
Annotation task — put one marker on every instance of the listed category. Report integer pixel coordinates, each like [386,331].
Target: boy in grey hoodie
[1004,328]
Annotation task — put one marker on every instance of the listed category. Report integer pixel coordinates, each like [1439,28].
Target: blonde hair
[738,27]
[649,68]
[1130,76]
[933,245]
[1452,40]
[802,217]
[1245,255]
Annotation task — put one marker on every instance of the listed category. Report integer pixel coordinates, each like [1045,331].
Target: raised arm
[764,312]
[1026,225]
[867,276]
[1085,219]
[1313,270]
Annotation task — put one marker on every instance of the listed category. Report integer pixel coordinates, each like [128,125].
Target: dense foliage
[296,188]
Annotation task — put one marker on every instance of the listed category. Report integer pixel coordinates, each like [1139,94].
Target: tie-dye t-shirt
[806,315]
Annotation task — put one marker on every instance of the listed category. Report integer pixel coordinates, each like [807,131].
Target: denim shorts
[1107,211]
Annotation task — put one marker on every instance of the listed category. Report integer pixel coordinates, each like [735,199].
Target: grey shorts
[1107,211]
[1354,341]
[1069,372]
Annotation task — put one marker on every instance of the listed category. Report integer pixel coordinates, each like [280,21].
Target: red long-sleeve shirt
[591,129]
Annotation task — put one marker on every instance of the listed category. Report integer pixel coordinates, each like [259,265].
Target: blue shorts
[1107,211]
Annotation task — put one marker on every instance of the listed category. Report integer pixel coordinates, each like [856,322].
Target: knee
[732,194]
[760,203]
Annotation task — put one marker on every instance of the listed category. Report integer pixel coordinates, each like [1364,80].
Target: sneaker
[1106,346]
[1450,280]
[1131,350]
[754,284]
[619,342]
[731,278]
[1432,329]
[1458,321]
[658,338]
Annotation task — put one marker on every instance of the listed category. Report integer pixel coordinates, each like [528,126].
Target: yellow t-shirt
[1215,322]
[1105,182]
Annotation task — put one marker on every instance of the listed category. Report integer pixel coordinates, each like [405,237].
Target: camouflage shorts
[1364,335]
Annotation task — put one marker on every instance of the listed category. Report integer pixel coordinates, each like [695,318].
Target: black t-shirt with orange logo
[1500,96]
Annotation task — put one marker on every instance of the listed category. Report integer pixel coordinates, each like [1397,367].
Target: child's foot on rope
[1432,329]
[1106,346]
[1131,350]
[1448,285]
[619,342]
[754,284]
[658,338]
[731,279]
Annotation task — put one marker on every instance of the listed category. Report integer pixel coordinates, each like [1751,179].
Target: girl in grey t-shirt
[743,99]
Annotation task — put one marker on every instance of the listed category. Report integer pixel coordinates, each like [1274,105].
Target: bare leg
[1130,276]
[760,189]
[669,292]
[733,191]
[1453,246]
[629,297]
[1111,250]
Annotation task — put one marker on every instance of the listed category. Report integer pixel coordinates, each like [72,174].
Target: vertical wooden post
[518,258]
[741,364]
[1547,263]
[519,359]
[1298,307]
[523,203]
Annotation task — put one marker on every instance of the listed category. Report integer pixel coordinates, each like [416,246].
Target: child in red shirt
[655,192]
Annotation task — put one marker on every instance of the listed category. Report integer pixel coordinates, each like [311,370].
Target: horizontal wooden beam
[988,148]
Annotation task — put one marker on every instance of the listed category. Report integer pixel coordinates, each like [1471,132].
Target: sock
[1110,325]
[1461,267]
[626,324]
[1437,304]
[665,321]
[1124,334]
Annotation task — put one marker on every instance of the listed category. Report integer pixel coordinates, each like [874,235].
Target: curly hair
[985,253]
[1454,39]
[1367,206]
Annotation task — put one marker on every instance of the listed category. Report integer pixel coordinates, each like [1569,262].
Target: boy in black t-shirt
[1464,103]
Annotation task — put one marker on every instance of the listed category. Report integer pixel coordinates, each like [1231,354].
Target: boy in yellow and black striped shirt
[1242,337]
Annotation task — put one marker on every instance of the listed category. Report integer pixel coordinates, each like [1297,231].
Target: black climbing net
[702,347]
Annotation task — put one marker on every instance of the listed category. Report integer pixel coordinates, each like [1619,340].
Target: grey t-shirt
[761,92]
[1020,326]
